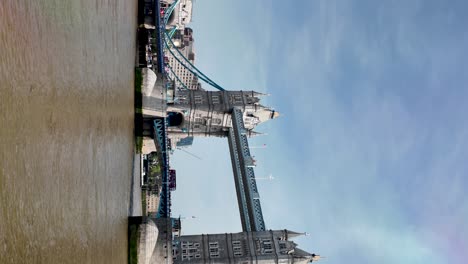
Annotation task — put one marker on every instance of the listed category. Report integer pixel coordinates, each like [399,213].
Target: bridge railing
[160,28]
[161,142]
[239,182]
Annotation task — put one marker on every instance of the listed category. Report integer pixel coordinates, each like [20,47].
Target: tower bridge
[222,113]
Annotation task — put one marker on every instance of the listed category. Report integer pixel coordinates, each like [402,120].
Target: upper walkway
[243,163]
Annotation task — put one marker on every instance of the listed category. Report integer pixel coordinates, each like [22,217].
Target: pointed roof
[302,256]
[301,253]
[252,133]
[259,94]
[260,107]
[274,114]
[292,234]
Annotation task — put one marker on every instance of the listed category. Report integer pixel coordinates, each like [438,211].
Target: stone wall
[148,236]
[155,240]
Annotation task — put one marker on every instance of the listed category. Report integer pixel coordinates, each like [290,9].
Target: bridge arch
[175,119]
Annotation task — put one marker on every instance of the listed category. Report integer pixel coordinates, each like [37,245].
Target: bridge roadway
[161,142]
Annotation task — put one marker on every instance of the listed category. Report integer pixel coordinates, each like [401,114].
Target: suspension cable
[204,78]
[194,73]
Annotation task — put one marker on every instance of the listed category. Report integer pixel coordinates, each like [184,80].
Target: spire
[274,114]
[301,256]
[315,257]
[292,234]
[252,133]
[254,93]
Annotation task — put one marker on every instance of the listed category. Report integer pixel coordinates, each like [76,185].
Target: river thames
[66,130]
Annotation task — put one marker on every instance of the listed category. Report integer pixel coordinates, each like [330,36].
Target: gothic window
[198,99]
[267,247]
[214,250]
[237,249]
[213,244]
[282,245]
[215,99]
[216,121]
[190,250]
[238,99]
[181,100]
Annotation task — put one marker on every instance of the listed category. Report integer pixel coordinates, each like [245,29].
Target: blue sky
[370,156]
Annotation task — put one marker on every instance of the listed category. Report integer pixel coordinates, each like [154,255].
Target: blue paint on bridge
[160,27]
[161,142]
[244,176]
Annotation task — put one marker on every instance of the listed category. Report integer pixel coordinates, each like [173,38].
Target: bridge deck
[161,142]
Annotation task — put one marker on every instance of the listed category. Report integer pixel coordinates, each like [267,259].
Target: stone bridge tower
[260,247]
[200,113]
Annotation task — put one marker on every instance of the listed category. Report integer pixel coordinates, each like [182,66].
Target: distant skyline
[369,155]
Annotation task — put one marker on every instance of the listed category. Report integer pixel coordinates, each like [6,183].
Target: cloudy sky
[371,154]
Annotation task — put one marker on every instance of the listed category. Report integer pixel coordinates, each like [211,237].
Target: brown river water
[66,129]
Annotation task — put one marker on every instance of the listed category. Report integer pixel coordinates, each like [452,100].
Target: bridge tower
[208,113]
[261,247]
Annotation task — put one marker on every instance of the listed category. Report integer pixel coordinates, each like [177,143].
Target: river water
[66,129]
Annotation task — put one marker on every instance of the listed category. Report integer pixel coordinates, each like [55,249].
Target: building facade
[262,247]
[181,15]
[184,42]
[152,203]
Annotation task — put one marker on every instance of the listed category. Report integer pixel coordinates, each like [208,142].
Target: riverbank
[138,110]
